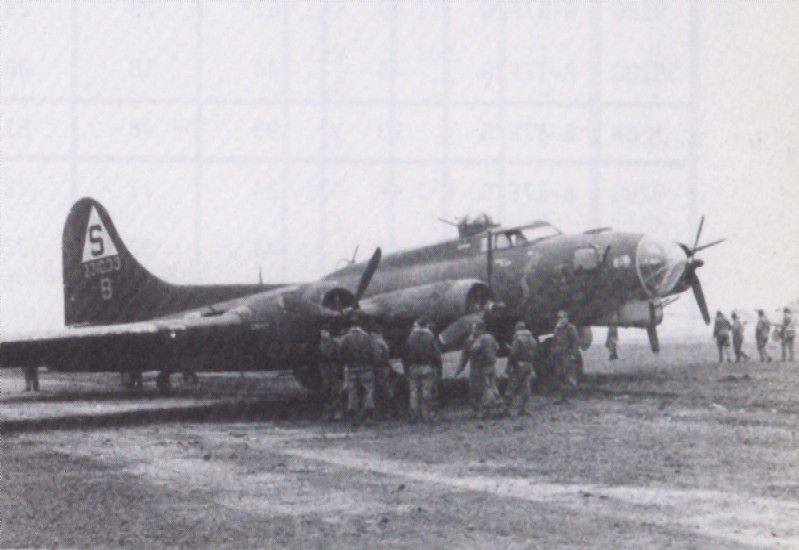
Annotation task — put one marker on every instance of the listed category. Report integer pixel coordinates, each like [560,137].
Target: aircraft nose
[660,264]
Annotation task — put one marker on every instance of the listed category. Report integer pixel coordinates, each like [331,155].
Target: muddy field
[672,451]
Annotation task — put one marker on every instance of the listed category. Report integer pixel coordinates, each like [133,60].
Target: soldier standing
[421,360]
[787,335]
[31,378]
[332,376]
[357,355]
[762,331]
[612,342]
[520,369]
[738,339]
[721,332]
[475,376]
[482,358]
[565,350]
[385,391]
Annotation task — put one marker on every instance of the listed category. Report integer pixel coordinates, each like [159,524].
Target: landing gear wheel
[309,378]
[163,383]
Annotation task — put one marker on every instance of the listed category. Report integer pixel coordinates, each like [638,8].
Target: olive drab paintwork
[118,315]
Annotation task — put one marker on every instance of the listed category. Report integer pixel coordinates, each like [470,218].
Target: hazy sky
[226,138]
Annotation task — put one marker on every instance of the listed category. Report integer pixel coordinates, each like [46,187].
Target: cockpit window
[539,232]
[502,241]
[518,237]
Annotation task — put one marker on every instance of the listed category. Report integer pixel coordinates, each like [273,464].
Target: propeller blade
[708,245]
[368,273]
[654,342]
[696,286]
[698,233]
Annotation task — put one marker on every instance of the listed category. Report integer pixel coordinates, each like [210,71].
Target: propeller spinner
[693,263]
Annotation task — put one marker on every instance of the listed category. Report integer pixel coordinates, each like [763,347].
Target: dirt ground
[670,451]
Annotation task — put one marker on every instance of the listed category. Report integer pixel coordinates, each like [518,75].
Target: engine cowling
[330,296]
[443,302]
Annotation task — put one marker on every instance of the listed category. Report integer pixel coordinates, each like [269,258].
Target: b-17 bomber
[120,317]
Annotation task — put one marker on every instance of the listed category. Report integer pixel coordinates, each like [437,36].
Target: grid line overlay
[501,133]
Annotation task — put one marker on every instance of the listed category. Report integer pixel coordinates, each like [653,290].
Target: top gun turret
[472,225]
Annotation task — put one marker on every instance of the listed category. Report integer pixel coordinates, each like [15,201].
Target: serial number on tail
[102,266]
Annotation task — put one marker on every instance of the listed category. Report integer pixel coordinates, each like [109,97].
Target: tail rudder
[102,280]
[104,284]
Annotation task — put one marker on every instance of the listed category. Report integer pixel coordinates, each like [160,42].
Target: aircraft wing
[119,341]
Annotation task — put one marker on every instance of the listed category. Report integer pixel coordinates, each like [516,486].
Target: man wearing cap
[520,369]
[31,378]
[738,339]
[420,360]
[762,330]
[482,358]
[332,376]
[787,335]
[385,394]
[612,342]
[721,332]
[565,350]
[357,355]
[475,376]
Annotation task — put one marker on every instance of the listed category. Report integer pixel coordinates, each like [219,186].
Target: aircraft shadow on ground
[259,409]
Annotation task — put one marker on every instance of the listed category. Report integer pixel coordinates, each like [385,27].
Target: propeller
[652,329]
[368,273]
[695,263]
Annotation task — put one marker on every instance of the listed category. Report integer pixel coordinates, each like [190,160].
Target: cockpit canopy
[516,236]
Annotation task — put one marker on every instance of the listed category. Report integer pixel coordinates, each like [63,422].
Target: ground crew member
[565,350]
[738,339]
[520,369]
[385,390]
[332,376]
[475,376]
[721,332]
[482,358]
[421,360]
[612,342]
[762,330]
[787,335]
[31,378]
[356,353]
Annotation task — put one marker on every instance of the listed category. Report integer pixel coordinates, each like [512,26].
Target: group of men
[726,332]
[359,382]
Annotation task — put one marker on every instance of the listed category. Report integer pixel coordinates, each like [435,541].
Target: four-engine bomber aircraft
[120,317]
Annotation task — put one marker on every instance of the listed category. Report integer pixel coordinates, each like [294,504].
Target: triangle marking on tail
[98,243]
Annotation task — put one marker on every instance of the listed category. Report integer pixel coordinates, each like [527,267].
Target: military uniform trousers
[385,391]
[422,380]
[360,388]
[490,398]
[332,387]
[762,342]
[517,393]
[787,348]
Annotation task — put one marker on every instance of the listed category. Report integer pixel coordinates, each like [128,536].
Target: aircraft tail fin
[105,284]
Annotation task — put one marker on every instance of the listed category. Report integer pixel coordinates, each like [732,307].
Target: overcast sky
[224,139]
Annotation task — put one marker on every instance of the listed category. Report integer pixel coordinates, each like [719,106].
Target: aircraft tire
[309,378]
[163,382]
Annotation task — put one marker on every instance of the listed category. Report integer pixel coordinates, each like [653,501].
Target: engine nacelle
[635,313]
[443,302]
[330,296]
